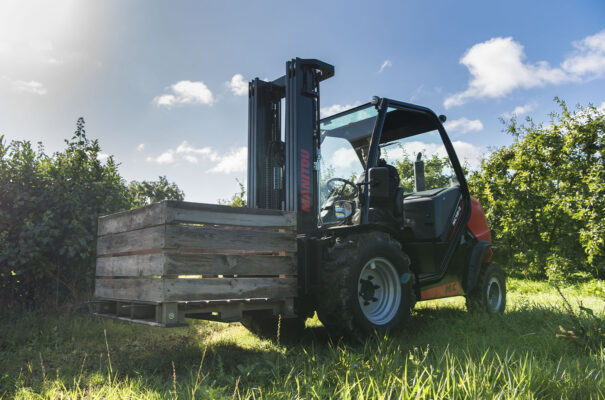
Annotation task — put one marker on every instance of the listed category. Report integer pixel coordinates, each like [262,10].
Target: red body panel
[477,224]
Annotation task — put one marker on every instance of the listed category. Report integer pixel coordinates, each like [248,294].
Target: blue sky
[162,84]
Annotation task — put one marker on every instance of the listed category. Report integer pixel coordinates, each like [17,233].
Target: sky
[163,85]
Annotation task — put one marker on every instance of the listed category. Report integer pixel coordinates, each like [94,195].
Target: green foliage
[238,199]
[147,192]
[49,207]
[438,171]
[544,195]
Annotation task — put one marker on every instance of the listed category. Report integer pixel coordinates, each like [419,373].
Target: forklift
[368,249]
[331,226]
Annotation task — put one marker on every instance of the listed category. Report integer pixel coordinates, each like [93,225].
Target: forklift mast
[282,174]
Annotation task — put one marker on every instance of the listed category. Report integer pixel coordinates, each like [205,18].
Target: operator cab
[424,205]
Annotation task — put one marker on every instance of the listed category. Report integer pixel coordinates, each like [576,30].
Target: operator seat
[394,203]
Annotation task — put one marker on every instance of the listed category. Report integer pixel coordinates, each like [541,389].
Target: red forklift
[362,241]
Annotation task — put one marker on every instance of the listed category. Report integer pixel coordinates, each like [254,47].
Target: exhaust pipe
[419,184]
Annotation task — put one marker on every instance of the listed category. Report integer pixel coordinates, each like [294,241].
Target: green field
[445,353]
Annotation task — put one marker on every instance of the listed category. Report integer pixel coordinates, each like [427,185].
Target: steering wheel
[341,192]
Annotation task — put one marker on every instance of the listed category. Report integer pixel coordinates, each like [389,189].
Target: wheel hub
[379,291]
[494,295]
[367,289]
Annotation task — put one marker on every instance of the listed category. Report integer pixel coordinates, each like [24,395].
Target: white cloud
[385,64]
[344,158]
[238,86]
[102,157]
[498,67]
[467,152]
[165,100]
[141,147]
[32,87]
[588,58]
[520,110]
[464,125]
[602,107]
[186,92]
[235,161]
[335,109]
[166,157]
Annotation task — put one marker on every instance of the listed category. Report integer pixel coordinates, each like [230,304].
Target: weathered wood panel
[130,289]
[170,211]
[228,264]
[228,288]
[153,214]
[197,237]
[199,213]
[175,263]
[134,265]
[141,239]
[164,290]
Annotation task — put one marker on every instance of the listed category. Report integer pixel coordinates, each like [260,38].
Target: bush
[49,207]
[544,196]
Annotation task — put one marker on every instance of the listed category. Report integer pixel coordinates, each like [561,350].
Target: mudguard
[474,266]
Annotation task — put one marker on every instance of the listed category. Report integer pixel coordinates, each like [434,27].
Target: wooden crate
[173,258]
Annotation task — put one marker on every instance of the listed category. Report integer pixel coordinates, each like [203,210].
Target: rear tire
[360,286]
[489,295]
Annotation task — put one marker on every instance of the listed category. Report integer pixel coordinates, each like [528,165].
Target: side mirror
[379,182]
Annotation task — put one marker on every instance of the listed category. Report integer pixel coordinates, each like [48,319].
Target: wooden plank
[130,289]
[227,264]
[133,265]
[153,214]
[142,239]
[197,237]
[228,288]
[199,213]
[175,290]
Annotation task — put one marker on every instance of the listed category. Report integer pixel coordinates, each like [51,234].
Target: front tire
[365,285]
[489,296]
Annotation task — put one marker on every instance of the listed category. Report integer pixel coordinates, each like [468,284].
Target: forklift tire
[489,296]
[267,327]
[364,286]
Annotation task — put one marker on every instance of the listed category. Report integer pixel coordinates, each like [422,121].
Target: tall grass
[444,353]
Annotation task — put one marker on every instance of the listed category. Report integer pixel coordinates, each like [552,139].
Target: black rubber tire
[478,300]
[267,326]
[337,301]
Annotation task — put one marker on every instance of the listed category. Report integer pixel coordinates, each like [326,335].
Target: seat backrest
[398,206]
[428,214]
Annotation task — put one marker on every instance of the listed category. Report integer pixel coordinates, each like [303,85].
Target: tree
[147,192]
[438,171]
[49,206]
[238,199]
[544,195]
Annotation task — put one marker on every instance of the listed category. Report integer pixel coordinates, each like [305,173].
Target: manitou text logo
[305,180]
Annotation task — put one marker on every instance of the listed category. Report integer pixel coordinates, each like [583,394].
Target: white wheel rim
[379,291]
[494,295]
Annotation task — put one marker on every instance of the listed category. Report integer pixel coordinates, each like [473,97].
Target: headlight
[343,209]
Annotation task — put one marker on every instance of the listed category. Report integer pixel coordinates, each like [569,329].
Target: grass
[445,353]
